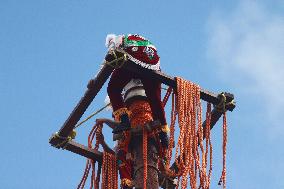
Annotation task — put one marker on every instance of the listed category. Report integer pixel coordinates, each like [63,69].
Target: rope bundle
[109,172]
[190,154]
[109,167]
[90,163]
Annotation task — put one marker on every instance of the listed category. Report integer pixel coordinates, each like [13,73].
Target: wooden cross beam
[94,87]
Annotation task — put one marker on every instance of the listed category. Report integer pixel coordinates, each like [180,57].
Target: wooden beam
[77,148]
[93,88]
[215,116]
[170,81]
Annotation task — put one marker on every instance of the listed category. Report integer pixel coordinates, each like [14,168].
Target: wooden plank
[82,150]
[77,148]
[170,81]
[215,116]
[93,88]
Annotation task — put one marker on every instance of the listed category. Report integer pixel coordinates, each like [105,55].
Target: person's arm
[112,124]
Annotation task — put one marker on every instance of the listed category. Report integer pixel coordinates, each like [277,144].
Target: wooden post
[152,156]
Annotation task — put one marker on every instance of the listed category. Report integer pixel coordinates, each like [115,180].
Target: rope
[208,143]
[166,98]
[223,104]
[90,163]
[145,158]
[223,175]
[109,172]
[191,154]
[92,115]
[65,140]
[115,63]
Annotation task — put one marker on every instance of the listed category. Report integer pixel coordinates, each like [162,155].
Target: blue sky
[50,49]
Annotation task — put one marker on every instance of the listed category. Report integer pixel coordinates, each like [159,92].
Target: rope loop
[223,104]
[115,63]
[65,140]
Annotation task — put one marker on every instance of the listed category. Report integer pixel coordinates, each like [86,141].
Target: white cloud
[249,43]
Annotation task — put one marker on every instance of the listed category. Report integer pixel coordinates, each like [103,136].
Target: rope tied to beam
[118,62]
[92,115]
[65,140]
[223,104]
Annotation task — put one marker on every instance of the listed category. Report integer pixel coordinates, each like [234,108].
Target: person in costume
[140,51]
[136,101]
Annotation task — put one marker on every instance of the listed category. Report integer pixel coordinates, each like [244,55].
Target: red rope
[145,158]
[223,176]
[90,163]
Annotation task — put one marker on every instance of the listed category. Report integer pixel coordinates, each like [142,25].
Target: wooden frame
[94,87]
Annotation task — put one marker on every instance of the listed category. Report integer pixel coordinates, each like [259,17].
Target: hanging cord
[191,154]
[109,171]
[90,163]
[221,107]
[92,115]
[145,156]
[223,176]
[208,143]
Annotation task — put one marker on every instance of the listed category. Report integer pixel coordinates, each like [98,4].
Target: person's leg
[125,169]
[153,92]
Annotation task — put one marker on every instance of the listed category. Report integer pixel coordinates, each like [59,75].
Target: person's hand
[100,121]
